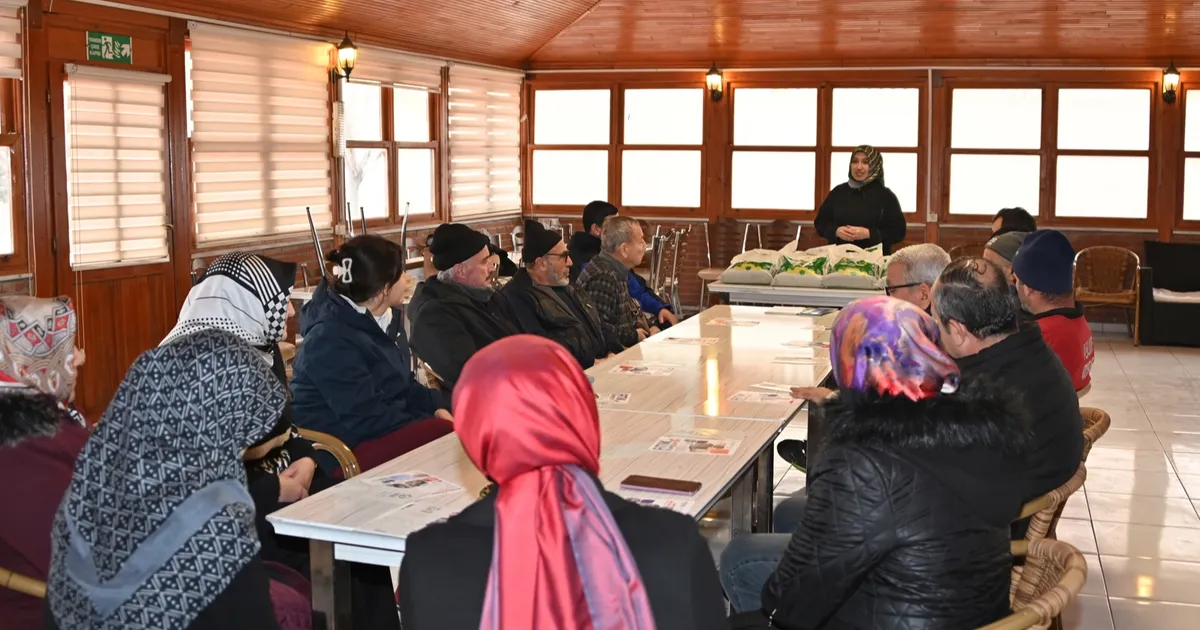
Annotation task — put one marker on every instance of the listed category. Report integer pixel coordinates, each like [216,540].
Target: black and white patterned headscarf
[157,520]
[244,294]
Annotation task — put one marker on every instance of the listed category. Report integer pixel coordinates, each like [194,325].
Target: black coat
[1023,363]
[907,522]
[449,326]
[554,313]
[582,247]
[444,575]
[873,206]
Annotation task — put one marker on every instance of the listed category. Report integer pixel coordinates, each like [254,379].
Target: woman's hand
[301,471]
[443,414]
[846,233]
[812,394]
[291,490]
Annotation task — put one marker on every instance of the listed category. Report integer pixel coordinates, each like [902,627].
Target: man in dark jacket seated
[457,313]
[978,314]
[544,302]
[605,283]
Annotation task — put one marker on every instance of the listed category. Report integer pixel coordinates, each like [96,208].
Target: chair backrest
[1038,600]
[1174,265]
[22,584]
[966,250]
[1043,513]
[1095,425]
[1106,269]
[332,445]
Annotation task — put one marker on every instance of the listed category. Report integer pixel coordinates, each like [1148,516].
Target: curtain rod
[854,69]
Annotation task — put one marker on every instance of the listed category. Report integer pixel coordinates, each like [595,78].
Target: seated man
[1045,272]
[1000,250]
[1013,220]
[912,271]
[545,303]
[457,313]
[605,281]
[978,315]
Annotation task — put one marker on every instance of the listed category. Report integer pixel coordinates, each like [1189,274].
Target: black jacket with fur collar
[907,523]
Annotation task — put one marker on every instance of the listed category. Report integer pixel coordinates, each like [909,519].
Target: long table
[356,522]
[790,296]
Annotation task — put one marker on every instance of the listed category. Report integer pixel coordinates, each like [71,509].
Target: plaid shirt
[606,282]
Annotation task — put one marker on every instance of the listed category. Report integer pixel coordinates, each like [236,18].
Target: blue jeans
[748,561]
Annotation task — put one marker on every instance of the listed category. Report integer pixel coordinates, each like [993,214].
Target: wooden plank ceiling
[666,33]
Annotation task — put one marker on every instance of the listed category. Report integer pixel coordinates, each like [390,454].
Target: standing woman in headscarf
[40,437]
[862,211]
[906,521]
[156,531]
[550,548]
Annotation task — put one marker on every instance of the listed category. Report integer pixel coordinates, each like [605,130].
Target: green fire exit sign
[110,48]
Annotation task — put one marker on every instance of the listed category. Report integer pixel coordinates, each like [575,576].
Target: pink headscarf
[527,418]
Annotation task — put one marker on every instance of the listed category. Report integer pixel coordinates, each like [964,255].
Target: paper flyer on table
[721,321]
[410,486]
[683,506]
[692,341]
[695,443]
[807,343]
[613,399]
[762,397]
[782,388]
[810,311]
[640,368]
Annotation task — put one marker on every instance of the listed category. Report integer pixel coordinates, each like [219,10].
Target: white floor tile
[1087,612]
[1169,423]
[1078,533]
[1191,483]
[1077,507]
[1139,482]
[1103,457]
[1142,510]
[1147,541]
[1095,584]
[1180,442]
[1130,439]
[1141,578]
[1142,615]
[1185,463]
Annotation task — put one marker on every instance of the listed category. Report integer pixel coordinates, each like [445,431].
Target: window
[572,137]
[10,133]
[660,152]
[765,120]
[995,150]
[1115,184]
[116,167]
[888,119]
[1191,159]
[484,124]
[390,115]
[260,139]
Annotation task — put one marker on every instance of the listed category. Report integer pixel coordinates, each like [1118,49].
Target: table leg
[741,513]
[764,503]
[330,587]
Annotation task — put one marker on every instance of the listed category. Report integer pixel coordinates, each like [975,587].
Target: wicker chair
[330,444]
[1095,425]
[1038,600]
[1043,513]
[1110,276]
[967,250]
[21,584]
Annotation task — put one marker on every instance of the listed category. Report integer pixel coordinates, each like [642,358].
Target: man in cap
[1044,268]
[1000,250]
[457,313]
[544,302]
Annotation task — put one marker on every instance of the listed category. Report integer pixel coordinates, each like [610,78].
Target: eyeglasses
[890,289]
[564,255]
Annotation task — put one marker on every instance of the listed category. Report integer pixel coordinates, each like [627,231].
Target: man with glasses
[912,271]
[545,303]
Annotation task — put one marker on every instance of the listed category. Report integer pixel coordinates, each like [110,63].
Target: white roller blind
[375,65]
[116,167]
[260,140]
[10,38]
[485,132]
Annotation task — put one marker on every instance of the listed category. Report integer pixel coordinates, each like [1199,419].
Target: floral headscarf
[892,348]
[37,345]
[874,160]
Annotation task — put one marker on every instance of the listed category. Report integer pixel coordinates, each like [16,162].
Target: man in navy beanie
[1044,268]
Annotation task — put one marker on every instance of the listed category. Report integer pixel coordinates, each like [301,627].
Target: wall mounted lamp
[1170,83]
[715,83]
[347,56]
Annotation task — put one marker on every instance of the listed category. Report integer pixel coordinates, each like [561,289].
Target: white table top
[349,514]
[807,296]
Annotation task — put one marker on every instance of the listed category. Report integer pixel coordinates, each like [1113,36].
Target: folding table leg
[741,513]
[330,587]
[764,504]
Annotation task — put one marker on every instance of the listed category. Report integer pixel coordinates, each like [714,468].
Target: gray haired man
[912,271]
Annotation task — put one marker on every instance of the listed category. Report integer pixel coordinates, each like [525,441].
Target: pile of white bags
[756,266]
[829,266]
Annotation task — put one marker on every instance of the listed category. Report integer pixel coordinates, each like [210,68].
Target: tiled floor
[1137,519]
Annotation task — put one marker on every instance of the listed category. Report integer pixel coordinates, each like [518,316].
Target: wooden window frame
[395,213]
[1178,222]
[530,98]
[1050,152]
[12,134]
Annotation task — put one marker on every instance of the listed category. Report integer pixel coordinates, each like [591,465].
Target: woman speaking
[862,211]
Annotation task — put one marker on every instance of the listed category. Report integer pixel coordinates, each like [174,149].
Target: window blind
[385,67]
[10,38]
[116,167]
[484,123]
[260,139]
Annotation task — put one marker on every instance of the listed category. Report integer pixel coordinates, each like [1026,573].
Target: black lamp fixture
[347,56]
[1170,83]
[715,83]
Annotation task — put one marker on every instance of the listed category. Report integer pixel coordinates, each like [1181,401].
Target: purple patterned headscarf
[891,347]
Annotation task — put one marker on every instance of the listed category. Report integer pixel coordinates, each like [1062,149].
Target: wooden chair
[1109,276]
[21,584]
[1038,600]
[1043,513]
[432,380]
[330,444]
[966,250]
[1095,425]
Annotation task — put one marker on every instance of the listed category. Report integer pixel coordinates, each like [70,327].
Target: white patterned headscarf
[157,520]
[243,294]
[37,344]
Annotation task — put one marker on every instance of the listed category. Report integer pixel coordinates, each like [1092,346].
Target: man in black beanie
[544,302]
[457,313]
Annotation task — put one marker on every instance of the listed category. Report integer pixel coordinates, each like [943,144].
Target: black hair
[1014,220]
[596,212]
[375,264]
[974,293]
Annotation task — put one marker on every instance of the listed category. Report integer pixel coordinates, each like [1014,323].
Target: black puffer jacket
[449,325]
[561,314]
[908,516]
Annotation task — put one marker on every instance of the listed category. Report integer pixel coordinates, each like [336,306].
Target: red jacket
[1067,333]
